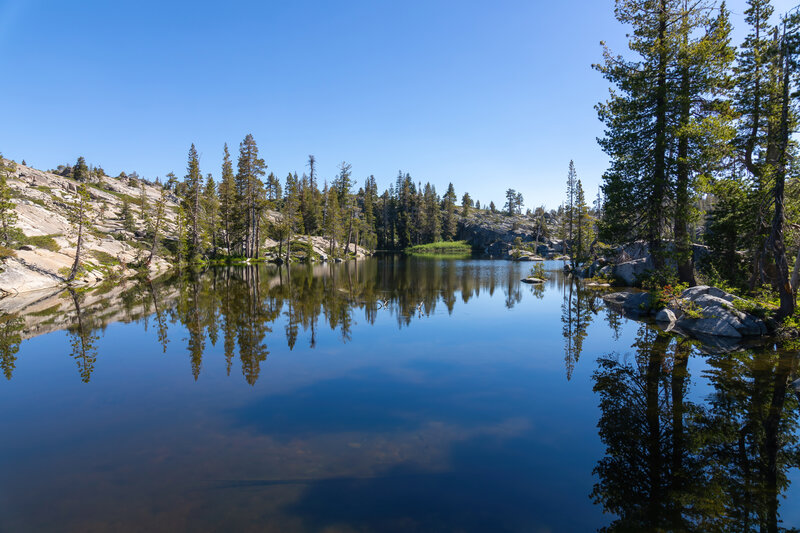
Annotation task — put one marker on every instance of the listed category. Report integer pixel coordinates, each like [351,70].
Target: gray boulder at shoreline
[700,311]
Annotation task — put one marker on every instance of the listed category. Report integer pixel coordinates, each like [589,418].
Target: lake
[392,394]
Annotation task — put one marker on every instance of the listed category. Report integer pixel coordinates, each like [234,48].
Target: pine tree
[126,215]
[368,203]
[250,194]
[704,122]
[569,206]
[227,199]
[80,172]
[764,100]
[449,222]
[144,208]
[466,203]
[584,234]
[403,205]
[273,190]
[78,215]
[291,210]
[512,204]
[8,216]
[433,229]
[637,126]
[158,222]
[332,226]
[172,181]
[310,199]
[182,246]
[210,209]
[343,184]
[191,203]
[665,123]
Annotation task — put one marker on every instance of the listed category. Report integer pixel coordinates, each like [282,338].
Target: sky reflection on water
[388,395]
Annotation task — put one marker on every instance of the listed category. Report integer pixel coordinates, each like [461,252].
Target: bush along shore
[458,248]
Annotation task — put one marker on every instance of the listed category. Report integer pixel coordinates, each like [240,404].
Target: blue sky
[488,95]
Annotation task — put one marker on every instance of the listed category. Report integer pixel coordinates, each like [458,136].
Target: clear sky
[488,95]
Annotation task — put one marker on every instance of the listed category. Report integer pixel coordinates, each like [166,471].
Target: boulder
[666,315]
[630,271]
[718,316]
[715,326]
[529,257]
[532,280]
[700,312]
[635,303]
[633,251]
[701,290]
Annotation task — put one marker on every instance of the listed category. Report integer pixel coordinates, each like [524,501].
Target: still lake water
[391,394]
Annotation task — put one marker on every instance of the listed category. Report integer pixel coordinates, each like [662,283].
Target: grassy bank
[441,248]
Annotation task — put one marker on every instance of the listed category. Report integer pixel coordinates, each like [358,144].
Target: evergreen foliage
[8,217]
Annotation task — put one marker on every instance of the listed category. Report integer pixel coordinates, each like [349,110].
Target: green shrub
[42,241]
[538,271]
[105,258]
[441,248]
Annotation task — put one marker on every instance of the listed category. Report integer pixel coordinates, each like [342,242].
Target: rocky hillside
[42,203]
[495,233]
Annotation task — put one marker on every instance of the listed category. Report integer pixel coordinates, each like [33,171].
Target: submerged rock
[596,285]
[532,280]
[634,303]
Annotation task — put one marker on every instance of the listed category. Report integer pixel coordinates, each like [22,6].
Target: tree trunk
[782,282]
[659,155]
[796,274]
[227,232]
[156,228]
[77,262]
[349,233]
[257,243]
[683,243]
[153,247]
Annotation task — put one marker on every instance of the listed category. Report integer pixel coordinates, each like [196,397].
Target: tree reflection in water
[577,311]
[239,306]
[10,339]
[672,464]
[672,461]
[83,339]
